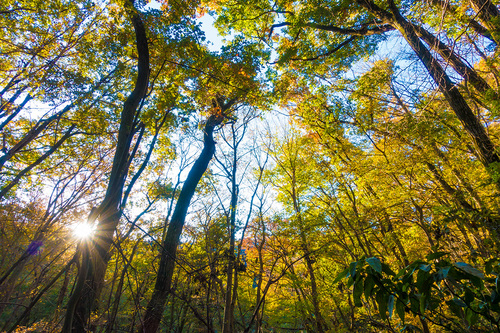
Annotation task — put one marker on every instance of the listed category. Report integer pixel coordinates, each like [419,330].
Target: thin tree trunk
[228,325]
[116,301]
[42,158]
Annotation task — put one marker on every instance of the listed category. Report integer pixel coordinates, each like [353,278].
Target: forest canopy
[333,166]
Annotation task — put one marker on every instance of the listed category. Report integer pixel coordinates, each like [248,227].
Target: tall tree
[108,213]
[170,243]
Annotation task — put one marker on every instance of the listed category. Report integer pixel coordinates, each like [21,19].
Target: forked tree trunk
[109,212]
[484,147]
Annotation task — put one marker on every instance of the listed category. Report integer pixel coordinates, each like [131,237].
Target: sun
[82,230]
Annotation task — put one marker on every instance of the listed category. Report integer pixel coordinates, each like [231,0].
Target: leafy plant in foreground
[453,295]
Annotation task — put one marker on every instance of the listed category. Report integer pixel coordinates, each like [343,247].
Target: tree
[109,211]
[358,28]
[156,305]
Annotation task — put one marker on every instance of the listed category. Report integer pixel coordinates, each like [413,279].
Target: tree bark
[228,324]
[163,283]
[483,145]
[109,211]
[488,14]
[466,72]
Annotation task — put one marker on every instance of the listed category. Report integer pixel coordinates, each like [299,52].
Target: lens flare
[82,230]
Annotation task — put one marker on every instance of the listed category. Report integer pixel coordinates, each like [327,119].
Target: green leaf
[425,268]
[382,299]
[422,277]
[469,296]
[414,304]
[442,273]
[358,291]
[368,287]
[387,270]
[435,255]
[375,263]
[455,308]
[459,302]
[424,298]
[494,297]
[469,269]
[400,310]
[471,316]
[341,275]
[352,268]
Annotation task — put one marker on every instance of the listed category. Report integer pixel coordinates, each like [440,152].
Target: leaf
[352,268]
[375,263]
[425,268]
[358,291]
[435,255]
[424,298]
[414,304]
[341,275]
[387,270]
[455,308]
[368,287]
[400,310]
[422,277]
[471,316]
[469,269]
[459,302]
[442,273]
[382,299]
[494,297]
[390,305]
[469,296]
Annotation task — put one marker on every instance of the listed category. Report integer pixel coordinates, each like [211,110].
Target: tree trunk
[488,14]
[466,72]
[228,324]
[156,304]
[109,211]
[484,147]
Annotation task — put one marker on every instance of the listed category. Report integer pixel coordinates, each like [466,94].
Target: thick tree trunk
[156,304]
[488,14]
[466,72]
[483,145]
[109,212]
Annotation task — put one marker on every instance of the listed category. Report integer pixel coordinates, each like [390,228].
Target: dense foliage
[334,166]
